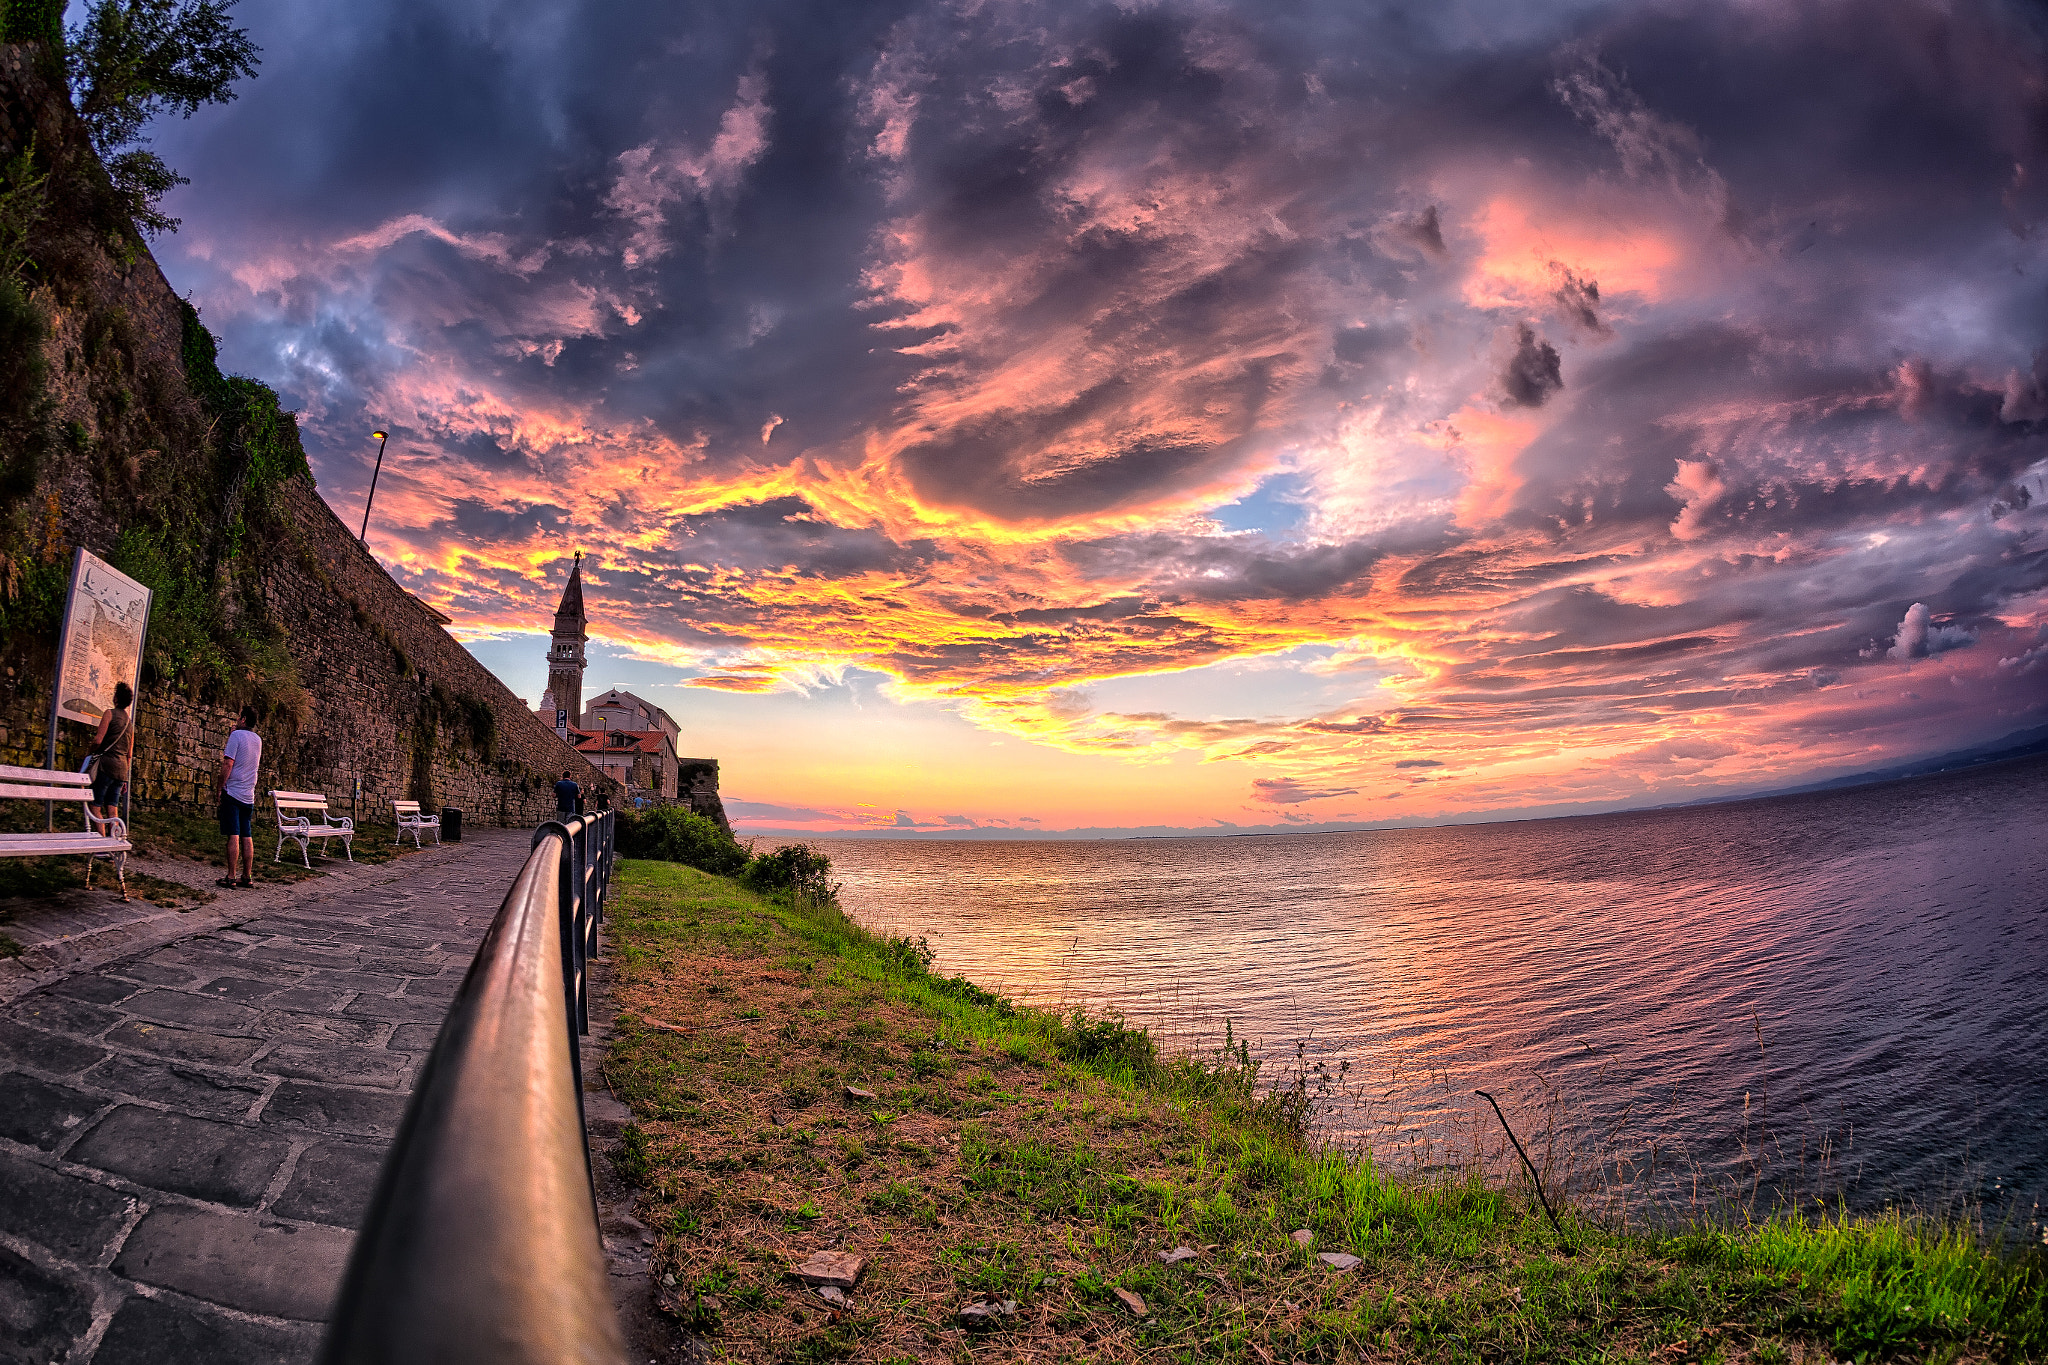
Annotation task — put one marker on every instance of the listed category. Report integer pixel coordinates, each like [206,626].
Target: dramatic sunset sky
[1094,416]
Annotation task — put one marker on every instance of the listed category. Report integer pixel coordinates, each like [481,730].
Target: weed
[635,1163]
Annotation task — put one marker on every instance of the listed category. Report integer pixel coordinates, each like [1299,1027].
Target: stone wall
[697,787]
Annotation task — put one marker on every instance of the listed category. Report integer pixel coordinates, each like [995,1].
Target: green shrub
[676,834]
[797,869]
[1108,1041]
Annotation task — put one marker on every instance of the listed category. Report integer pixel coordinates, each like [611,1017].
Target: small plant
[635,1163]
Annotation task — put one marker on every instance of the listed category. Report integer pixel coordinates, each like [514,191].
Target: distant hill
[2019,744]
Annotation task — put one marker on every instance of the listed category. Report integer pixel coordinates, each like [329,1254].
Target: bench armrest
[108,826]
[294,822]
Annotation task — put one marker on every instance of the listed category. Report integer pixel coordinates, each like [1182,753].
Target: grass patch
[1016,1154]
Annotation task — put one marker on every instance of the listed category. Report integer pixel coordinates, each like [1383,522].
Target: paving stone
[65,1016]
[197,958]
[413,969]
[196,1090]
[315,1029]
[72,1217]
[348,1065]
[40,1114]
[46,1051]
[237,988]
[329,1109]
[197,1011]
[316,999]
[188,1044]
[386,940]
[369,983]
[166,1332]
[400,1007]
[289,926]
[441,988]
[333,1184]
[257,1266]
[40,1313]
[157,973]
[191,1156]
[303,955]
[95,989]
[414,1037]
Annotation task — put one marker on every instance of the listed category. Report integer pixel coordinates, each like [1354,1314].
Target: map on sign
[104,619]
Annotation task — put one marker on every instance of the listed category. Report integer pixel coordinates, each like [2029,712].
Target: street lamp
[382,437]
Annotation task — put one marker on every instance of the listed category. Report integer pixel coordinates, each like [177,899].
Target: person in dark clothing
[112,747]
[566,794]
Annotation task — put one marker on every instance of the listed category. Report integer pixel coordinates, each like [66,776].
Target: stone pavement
[189,1132]
[78,929]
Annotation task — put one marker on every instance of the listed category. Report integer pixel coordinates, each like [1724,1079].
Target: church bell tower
[565,654]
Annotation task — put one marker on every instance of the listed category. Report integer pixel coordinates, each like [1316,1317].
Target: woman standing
[113,745]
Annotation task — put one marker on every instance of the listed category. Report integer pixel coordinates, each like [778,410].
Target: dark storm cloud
[482,522]
[786,534]
[1534,371]
[1578,303]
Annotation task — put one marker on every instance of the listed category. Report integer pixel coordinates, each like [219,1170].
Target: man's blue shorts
[237,818]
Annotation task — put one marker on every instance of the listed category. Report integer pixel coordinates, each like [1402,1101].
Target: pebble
[1177,1255]
[1132,1302]
[836,1297]
[1338,1260]
[986,1311]
[854,1092]
[1303,1237]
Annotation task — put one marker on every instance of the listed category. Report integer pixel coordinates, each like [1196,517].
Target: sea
[1825,1000]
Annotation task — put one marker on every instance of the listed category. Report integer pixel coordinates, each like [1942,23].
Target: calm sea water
[1838,994]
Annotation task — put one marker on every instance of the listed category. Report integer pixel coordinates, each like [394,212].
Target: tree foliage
[132,60]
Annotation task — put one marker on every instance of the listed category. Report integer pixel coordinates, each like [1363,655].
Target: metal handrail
[481,1242]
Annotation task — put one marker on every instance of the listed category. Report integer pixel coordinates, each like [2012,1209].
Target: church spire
[572,595]
[565,652]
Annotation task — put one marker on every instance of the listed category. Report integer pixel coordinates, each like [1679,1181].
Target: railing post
[583,944]
[572,965]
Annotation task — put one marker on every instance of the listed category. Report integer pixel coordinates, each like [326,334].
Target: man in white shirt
[239,760]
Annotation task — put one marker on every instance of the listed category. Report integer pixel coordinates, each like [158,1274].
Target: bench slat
[8,773]
[28,793]
[34,845]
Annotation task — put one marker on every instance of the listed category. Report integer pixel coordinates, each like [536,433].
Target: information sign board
[105,616]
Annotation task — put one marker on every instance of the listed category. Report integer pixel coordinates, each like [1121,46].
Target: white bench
[102,837]
[302,817]
[410,819]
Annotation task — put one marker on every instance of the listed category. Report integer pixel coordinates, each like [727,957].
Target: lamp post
[382,437]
